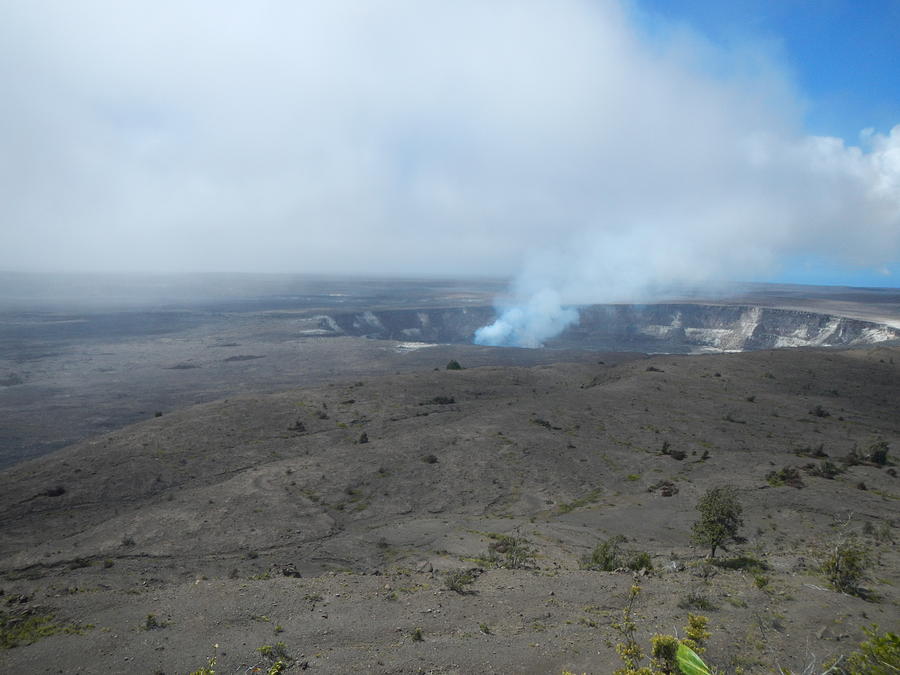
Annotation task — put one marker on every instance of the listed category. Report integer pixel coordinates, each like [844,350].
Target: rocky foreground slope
[327,519]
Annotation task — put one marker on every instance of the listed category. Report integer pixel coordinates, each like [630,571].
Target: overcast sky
[588,146]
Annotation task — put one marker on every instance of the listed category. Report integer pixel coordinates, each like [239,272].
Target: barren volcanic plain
[285,475]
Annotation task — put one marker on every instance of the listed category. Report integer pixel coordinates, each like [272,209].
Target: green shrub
[788,475]
[877,453]
[517,554]
[508,552]
[639,560]
[609,556]
[695,632]
[454,365]
[457,580]
[277,657]
[663,649]
[606,555]
[846,565]
[825,469]
[152,623]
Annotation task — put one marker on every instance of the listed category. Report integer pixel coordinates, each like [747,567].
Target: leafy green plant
[879,655]
[689,663]
[453,364]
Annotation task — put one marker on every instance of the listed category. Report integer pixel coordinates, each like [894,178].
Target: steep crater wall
[664,328]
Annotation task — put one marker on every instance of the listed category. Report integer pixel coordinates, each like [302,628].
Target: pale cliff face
[670,328]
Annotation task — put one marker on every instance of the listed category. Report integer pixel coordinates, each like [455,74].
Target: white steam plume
[529,324]
[736,210]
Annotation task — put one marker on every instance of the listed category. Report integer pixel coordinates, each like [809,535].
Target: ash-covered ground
[317,491]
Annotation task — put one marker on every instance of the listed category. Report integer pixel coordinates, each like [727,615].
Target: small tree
[720,518]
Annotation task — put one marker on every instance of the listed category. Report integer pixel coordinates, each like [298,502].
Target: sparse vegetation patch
[26,627]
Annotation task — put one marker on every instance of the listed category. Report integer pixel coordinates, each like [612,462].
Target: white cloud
[418,136]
